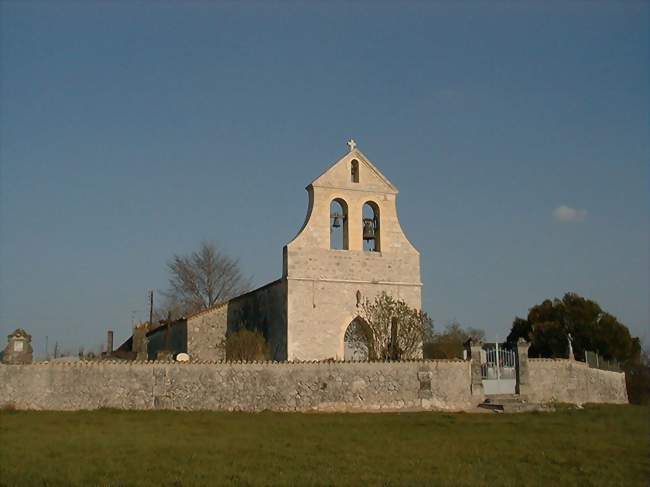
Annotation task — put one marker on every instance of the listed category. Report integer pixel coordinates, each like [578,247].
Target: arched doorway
[356,341]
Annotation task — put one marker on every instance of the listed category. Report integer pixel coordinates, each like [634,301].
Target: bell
[368,229]
[336,223]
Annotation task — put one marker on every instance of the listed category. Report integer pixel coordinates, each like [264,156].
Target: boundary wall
[419,385]
[570,381]
[304,386]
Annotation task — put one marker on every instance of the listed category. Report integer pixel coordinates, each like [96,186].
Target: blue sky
[517,134]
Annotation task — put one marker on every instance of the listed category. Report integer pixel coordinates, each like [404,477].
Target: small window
[354,171]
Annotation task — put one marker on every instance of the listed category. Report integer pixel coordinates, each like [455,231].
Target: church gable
[354,171]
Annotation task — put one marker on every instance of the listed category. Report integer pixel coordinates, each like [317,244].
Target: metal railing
[595,361]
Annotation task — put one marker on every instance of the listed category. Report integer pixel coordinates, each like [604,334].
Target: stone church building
[350,248]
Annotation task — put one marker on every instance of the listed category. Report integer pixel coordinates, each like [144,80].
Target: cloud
[566,214]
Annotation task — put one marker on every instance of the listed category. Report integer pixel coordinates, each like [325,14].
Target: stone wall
[176,342]
[205,332]
[263,309]
[574,382]
[333,386]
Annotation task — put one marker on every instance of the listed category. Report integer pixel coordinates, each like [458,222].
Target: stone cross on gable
[352,144]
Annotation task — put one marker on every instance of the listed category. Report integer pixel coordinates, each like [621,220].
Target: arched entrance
[356,341]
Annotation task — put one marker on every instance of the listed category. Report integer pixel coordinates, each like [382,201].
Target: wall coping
[535,359]
[577,363]
[94,363]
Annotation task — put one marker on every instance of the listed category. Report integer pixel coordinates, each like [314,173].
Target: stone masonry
[263,309]
[322,283]
[308,386]
[570,381]
[325,386]
[19,348]
[304,315]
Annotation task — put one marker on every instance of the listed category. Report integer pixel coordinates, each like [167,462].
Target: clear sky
[517,134]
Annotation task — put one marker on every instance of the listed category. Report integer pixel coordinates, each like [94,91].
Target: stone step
[497,408]
[506,398]
[509,403]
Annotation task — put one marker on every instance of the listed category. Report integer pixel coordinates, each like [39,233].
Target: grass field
[600,445]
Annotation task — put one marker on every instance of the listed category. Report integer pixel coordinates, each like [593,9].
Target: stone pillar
[523,377]
[140,342]
[109,342]
[475,346]
[19,348]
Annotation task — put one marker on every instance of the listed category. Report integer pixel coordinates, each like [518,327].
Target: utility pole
[151,307]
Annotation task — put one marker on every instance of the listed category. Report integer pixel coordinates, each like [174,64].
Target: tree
[392,329]
[548,325]
[637,377]
[246,345]
[449,344]
[201,280]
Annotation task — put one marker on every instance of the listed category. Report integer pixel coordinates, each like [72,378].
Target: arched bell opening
[356,341]
[371,227]
[338,224]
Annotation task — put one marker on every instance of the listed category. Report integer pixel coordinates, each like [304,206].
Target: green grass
[600,445]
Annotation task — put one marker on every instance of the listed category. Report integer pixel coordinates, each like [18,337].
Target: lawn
[600,445]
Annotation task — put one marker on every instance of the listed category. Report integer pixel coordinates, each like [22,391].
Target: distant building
[19,348]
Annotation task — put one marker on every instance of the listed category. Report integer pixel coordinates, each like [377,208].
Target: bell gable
[354,171]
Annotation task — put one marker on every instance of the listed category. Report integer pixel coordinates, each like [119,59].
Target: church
[351,247]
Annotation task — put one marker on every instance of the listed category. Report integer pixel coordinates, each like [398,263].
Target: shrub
[246,345]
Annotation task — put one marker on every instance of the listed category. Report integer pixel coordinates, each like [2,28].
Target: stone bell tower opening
[370,219]
[339,225]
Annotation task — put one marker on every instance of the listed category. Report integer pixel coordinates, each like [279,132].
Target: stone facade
[323,285]
[19,348]
[325,386]
[263,309]
[305,314]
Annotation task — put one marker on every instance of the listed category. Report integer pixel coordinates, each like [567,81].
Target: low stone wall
[325,386]
[574,382]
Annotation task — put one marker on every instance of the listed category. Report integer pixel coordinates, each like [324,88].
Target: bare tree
[392,329]
[202,279]
[449,344]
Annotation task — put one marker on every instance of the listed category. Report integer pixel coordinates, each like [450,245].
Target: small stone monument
[18,349]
